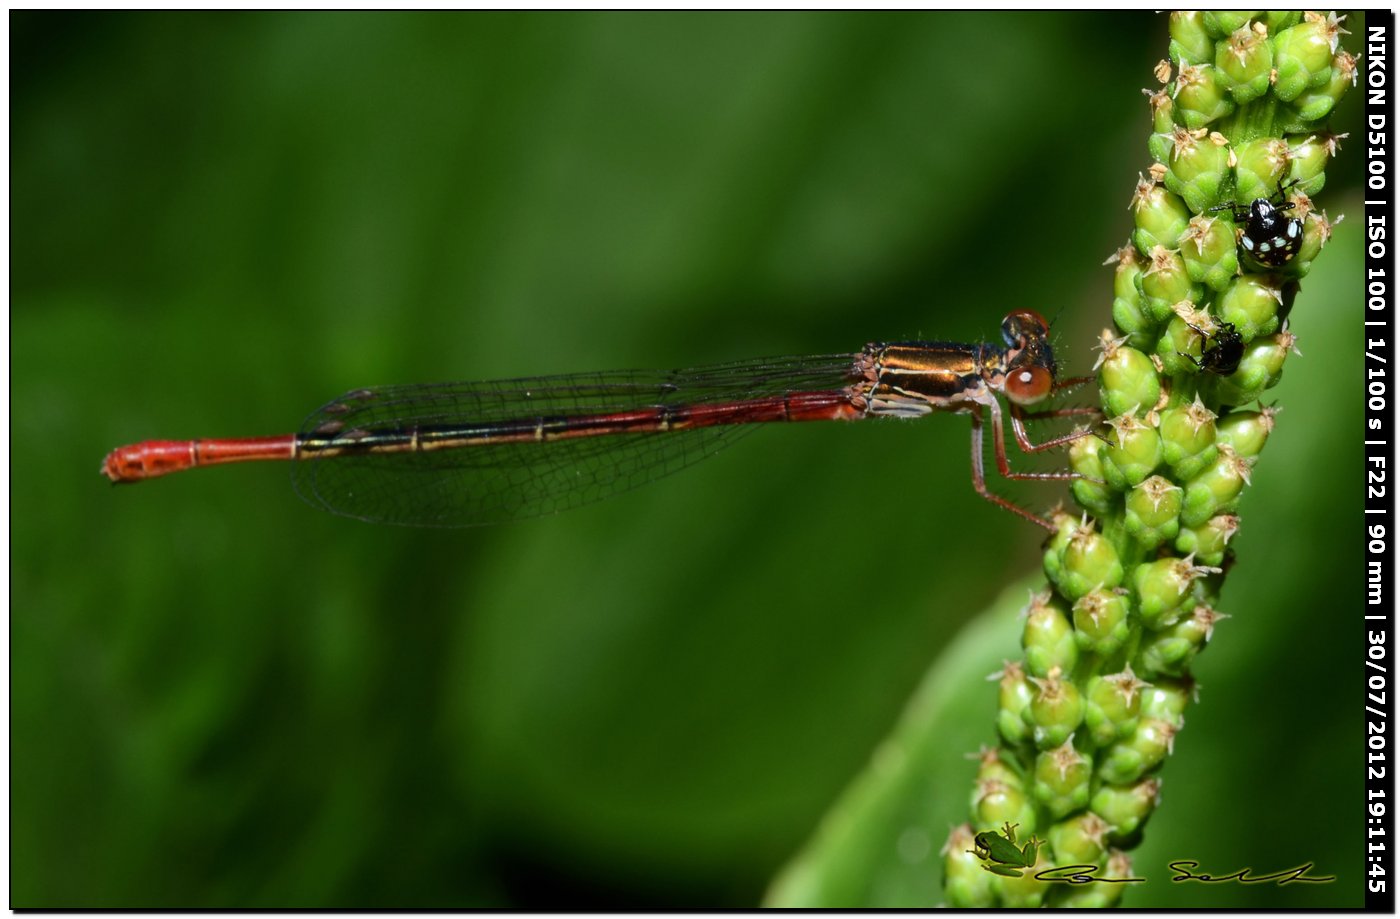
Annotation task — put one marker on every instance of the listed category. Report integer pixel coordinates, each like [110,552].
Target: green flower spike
[1091,712]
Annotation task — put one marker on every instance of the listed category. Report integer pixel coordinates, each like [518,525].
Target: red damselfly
[464,454]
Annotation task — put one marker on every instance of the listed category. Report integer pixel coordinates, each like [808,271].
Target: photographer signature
[1086,874]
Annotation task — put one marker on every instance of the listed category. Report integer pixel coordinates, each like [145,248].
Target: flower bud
[1118,867]
[1260,168]
[1128,314]
[1128,761]
[1260,369]
[1317,232]
[1246,432]
[1079,840]
[1162,587]
[1209,249]
[1125,808]
[1171,651]
[995,801]
[1188,438]
[1013,698]
[1048,638]
[1111,706]
[1220,23]
[1151,511]
[1303,55]
[1134,454]
[1251,303]
[1244,61]
[1317,103]
[1184,339]
[1101,622]
[1215,489]
[1278,20]
[1159,216]
[1201,96]
[1164,283]
[1087,561]
[1190,42]
[1308,156]
[1209,541]
[1056,710]
[1128,379]
[1084,458]
[1166,700]
[965,883]
[1061,783]
[1197,167]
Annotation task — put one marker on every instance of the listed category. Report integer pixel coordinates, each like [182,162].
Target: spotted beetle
[1270,238]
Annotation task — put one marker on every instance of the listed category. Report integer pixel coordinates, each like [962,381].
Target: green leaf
[878,845]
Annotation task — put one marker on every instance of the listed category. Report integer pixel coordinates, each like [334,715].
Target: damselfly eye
[1027,385]
[1023,324]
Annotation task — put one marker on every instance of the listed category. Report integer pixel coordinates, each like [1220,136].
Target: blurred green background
[222,698]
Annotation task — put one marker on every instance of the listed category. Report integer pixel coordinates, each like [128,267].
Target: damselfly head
[1029,372]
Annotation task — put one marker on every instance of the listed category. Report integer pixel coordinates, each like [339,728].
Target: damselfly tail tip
[135,462]
[113,465]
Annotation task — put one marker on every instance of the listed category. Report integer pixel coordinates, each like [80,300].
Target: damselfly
[464,454]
